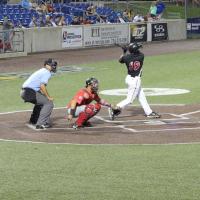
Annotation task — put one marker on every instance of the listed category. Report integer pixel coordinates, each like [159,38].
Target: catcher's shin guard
[90,111]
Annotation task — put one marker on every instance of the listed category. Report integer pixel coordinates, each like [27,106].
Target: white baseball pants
[135,90]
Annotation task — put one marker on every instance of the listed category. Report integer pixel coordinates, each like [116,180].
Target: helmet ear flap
[134,47]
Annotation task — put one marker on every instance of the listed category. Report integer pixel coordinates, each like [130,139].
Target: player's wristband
[72,112]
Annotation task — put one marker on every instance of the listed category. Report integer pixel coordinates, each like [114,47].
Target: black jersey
[134,63]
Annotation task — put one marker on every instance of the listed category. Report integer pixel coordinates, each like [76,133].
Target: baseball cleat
[153,115]
[111,113]
[31,122]
[43,126]
[75,126]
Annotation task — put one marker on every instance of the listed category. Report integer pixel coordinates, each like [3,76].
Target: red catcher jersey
[83,97]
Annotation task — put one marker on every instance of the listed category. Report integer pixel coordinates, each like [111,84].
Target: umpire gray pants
[47,107]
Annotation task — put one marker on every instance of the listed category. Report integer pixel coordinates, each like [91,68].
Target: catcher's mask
[134,47]
[51,63]
[94,83]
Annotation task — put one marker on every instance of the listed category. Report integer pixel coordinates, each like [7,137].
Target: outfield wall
[60,38]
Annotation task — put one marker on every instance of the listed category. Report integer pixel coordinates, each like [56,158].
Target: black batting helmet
[134,47]
[51,63]
[93,82]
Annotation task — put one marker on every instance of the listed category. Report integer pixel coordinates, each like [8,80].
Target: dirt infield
[179,124]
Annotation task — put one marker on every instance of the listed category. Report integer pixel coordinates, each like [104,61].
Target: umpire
[34,91]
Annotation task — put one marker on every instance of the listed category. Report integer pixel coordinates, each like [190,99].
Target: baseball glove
[114,111]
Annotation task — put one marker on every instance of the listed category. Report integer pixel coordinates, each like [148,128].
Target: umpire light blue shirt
[39,77]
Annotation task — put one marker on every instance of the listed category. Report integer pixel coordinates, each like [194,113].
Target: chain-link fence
[174,9]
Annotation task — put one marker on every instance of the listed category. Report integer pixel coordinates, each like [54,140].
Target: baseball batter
[81,107]
[134,62]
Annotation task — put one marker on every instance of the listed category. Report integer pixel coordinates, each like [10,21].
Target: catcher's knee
[97,107]
[92,109]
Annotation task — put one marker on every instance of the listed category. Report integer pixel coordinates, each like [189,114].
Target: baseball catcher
[134,63]
[81,106]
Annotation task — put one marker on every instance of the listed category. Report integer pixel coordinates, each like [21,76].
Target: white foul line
[168,129]
[190,113]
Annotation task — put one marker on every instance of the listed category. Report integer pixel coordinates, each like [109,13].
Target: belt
[134,76]
[26,88]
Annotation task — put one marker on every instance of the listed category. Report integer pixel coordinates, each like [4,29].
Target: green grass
[62,172]
[179,70]
[111,172]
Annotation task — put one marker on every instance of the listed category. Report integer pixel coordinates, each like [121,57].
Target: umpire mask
[94,84]
[51,63]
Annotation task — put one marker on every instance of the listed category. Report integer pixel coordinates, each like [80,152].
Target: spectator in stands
[75,21]
[49,21]
[60,20]
[130,14]
[8,33]
[138,18]
[91,10]
[153,10]
[120,18]
[125,15]
[7,24]
[160,8]
[50,8]
[82,20]
[42,9]
[26,4]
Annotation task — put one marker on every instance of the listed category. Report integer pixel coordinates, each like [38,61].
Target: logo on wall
[193,26]
[95,32]
[71,37]
[138,33]
[159,31]
[64,35]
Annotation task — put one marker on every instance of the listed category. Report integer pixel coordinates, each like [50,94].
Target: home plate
[154,122]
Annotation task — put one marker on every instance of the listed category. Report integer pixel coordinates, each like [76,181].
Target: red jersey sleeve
[97,98]
[79,97]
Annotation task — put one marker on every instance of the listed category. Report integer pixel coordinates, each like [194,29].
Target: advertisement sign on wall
[138,32]
[193,26]
[72,37]
[105,35]
[159,31]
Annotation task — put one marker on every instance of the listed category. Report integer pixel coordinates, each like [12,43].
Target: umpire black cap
[51,62]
